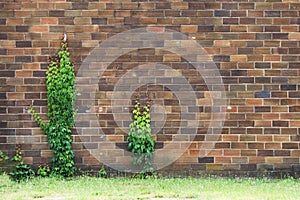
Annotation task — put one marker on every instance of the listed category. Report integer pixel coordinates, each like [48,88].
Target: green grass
[126,188]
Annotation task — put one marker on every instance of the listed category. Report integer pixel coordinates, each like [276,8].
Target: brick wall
[255,46]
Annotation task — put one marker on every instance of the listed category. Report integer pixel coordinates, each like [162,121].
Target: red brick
[38,28]
[232,152]
[189,28]
[49,20]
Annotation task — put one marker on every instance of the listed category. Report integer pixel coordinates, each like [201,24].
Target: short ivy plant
[3,158]
[60,83]
[102,172]
[44,171]
[22,171]
[140,141]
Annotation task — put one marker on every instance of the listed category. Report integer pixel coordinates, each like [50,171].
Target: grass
[130,188]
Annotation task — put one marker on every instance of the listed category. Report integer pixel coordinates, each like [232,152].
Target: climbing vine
[140,141]
[60,83]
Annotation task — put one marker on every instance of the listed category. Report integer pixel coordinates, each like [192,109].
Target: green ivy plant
[140,141]
[22,171]
[3,158]
[60,83]
[44,171]
[102,172]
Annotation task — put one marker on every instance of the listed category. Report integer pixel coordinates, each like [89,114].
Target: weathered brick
[255,46]
[56,13]
[206,159]
[290,146]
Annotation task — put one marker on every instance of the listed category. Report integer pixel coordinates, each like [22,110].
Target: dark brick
[294,20]
[163,137]
[3,36]
[7,131]
[3,124]
[39,73]
[279,94]
[246,79]
[294,109]
[262,65]
[274,131]
[263,36]
[56,13]
[159,145]
[283,36]
[199,137]
[23,44]
[289,13]
[212,5]
[7,73]
[3,51]
[99,20]
[245,50]
[282,153]
[222,13]
[196,5]
[23,59]
[272,28]
[247,20]
[163,5]
[296,167]
[32,153]
[205,28]
[238,13]
[280,123]
[122,145]
[239,72]
[294,50]
[290,145]
[3,139]
[255,44]
[2,21]
[294,94]
[222,28]
[229,6]
[22,28]
[263,94]
[2,110]
[222,145]
[3,95]
[248,167]
[272,13]
[230,21]
[280,79]
[262,108]
[289,58]
[230,80]
[288,87]
[262,80]
[206,159]
[265,152]
[264,167]
[221,58]
[65,21]
[80,5]
[246,5]
[39,103]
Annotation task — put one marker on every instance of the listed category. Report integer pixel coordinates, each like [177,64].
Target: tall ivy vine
[60,81]
[140,141]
